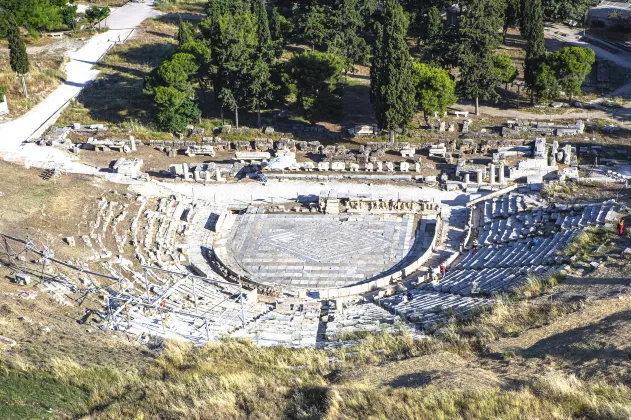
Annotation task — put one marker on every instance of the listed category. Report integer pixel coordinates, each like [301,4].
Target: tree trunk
[391,136]
[222,120]
[236,117]
[258,112]
[477,106]
[427,120]
[532,98]
[570,99]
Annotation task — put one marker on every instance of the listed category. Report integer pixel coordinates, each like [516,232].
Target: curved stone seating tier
[359,317]
[487,281]
[286,326]
[503,206]
[428,307]
[517,253]
[543,220]
[590,215]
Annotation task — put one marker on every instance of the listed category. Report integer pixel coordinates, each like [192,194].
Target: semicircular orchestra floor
[320,251]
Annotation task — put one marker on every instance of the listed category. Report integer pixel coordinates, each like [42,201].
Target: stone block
[338,166]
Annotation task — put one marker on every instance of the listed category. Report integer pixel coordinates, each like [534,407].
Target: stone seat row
[536,221]
[428,308]
[487,281]
[502,206]
[590,215]
[518,253]
[359,317]
[296,327]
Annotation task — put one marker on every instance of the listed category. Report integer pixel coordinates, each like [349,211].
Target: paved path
[79,72]
[286,191]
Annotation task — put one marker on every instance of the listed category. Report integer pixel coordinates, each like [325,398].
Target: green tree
[434,23]
[511,15]
[96,14]
[568,10]
[434,90]
[572,65]
[346,41]
[545,84]
[479,36]
[176,72]
[185,33]
[234,43]
[18,58]
[315,74]
[261,87]
[175,109]
[392,84]
[69,16]
[506,70]
[531,28]
[173,92]
[313,26]
[262,24]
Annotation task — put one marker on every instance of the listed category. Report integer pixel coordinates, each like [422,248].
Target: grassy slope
[46,74]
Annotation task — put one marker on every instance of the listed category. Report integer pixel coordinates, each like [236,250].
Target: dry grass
[181,6]
[116,98]
[588,243]
[537,285]
[553,397]
[238,380]
[47,72]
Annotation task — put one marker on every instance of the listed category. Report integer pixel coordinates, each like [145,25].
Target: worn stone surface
[320,250]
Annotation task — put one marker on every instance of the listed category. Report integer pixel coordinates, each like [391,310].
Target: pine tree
[17,56]
[392,83]
[531,28]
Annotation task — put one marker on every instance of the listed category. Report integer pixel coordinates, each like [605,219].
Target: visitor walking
[532,243]
[620,227]
[443,270]
[475,246]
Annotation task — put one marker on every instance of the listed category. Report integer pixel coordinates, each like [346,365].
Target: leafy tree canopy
[504,67]
[572,65]
[434,88]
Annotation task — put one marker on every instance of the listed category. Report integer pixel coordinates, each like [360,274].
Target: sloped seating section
[501,227]
[503,206]
[360,317]
[488,281]
[428,308]
[287,325]
[518,253]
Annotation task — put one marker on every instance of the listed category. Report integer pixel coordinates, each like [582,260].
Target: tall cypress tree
[479,36]
[531,28]
[17,55]
[392,83]
[262,24]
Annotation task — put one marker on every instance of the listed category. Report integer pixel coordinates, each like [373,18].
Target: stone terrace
[320,251]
